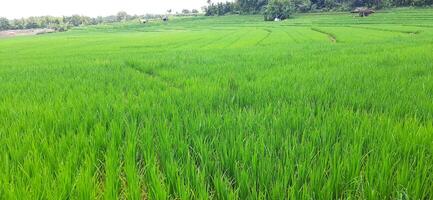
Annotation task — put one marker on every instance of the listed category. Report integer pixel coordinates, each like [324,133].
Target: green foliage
[221,8]
[251,6]
[4,23]
[280,9]
[66,22]
[322,106]
[186,11]
[270,6]
[122,16]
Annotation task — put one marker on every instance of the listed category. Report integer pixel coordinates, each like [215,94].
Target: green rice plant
[227,107]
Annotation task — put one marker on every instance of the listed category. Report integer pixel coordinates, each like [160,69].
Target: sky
[25,8]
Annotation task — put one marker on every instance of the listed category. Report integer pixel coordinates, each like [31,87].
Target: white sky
[25,8]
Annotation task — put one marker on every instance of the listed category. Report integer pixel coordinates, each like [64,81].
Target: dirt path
[331,36]
[14,33]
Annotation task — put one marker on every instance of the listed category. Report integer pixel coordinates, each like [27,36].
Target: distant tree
[281,9]
[122,16]
[221,8]
[186,11]
[301,5]
[76,20]
[110,19]
[194,11]
[93,21]
[65,22]
[32,22]
[99,20]
[169,11]
[262,6]
[4,24]
[251,6]
[133,17]
[19,23]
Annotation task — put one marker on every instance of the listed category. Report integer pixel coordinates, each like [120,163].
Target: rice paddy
[320,106]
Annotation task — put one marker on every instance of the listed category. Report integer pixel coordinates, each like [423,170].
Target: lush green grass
[322,106]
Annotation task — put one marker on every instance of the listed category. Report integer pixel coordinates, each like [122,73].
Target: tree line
[283,8]
[66,22]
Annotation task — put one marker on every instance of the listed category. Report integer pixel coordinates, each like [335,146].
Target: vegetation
[278,9]
[66,22]
[221,8]
[286,7]
[4,24]
[323,106]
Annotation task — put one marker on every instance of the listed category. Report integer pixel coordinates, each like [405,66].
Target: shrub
[4,24]
[281,9]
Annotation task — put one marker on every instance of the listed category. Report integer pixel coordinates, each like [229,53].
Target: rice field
[321,106]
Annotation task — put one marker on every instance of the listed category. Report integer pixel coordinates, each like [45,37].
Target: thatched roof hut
[363,11]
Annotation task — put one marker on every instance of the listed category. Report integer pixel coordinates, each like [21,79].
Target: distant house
[143,21]
[275,17]
[363,11]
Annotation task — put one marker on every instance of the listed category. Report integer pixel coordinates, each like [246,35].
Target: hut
[363,11]
[275,18]
[143,21]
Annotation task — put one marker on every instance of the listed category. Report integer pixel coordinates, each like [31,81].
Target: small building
[143,21]
[363,11]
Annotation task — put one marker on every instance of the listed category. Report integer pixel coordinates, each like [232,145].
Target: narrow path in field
[217,40]
[169,45]
[151,72]
[302,36]
[188,42]
[25,32]
[383,29]
[331,36]
[231,42]
[140,70]
[418,25]
[291,36]
[259,43]
[179,43]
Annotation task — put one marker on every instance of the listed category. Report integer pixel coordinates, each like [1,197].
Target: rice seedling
[320,106]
